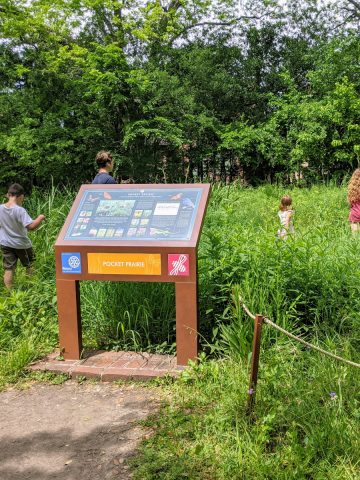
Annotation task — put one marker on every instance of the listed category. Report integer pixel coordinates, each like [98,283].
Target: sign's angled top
[147,213]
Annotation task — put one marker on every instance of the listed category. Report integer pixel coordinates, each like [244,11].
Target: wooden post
[186,322]
[68,301]
[254,363]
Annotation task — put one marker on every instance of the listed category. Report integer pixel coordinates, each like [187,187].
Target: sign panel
[150,214]
[71,262]
[124,263]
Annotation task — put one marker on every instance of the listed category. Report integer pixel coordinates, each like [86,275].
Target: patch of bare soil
[71,431]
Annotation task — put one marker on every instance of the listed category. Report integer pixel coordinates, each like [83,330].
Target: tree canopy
[179,90]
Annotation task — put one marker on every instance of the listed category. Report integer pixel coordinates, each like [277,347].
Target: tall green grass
[308,407]
[306,427]
[28,316]
[129,316]
[310,283]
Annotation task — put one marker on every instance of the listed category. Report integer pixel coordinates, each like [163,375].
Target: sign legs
[186,322]
[70,335]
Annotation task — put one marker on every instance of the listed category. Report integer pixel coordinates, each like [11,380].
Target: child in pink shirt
[354,200]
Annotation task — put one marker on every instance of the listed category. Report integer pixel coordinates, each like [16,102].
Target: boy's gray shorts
[11,256]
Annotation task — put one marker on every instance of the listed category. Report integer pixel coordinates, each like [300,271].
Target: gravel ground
[71,431]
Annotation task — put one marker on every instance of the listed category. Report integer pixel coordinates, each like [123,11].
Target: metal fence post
[254,364]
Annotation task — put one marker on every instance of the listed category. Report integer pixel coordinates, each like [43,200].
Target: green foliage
[133,320]
[28,329]
[310,277]
[203,432]
[178,90]
[28,315]
[308,284]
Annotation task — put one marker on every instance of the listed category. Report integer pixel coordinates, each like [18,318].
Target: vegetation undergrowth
[306,425]
[309,284]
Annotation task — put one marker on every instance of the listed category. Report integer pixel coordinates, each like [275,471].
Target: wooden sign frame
[67,283]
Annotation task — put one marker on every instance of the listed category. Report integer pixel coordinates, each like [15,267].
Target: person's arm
[35,223]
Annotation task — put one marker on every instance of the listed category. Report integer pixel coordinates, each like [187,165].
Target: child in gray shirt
[14,241]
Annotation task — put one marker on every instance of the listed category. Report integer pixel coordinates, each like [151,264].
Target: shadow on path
[71,431]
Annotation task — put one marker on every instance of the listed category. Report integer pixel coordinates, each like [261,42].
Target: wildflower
[333,394]
[251,391]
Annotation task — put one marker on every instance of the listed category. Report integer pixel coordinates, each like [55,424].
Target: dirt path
[71,431]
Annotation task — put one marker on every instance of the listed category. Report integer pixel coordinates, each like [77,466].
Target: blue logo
[71,262]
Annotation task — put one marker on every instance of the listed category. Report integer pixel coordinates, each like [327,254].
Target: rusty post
[186,322]
[254,364]
[68,300]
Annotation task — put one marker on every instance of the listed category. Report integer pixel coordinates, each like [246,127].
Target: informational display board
[131,233]
[135,214]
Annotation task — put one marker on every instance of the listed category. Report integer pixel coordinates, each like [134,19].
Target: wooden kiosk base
[131,233]
[70,332]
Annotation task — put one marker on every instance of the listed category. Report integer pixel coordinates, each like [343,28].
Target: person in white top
[15,222]
[285,214]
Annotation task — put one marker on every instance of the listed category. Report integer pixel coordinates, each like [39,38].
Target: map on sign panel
[133,214]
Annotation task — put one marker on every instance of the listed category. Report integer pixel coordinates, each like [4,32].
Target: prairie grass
[309,284]
[306,426]
[134,319]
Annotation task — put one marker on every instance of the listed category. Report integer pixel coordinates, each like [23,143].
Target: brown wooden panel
[186,322]
[70,334]
[164,277]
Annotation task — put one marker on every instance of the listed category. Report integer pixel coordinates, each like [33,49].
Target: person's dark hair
[103,158]
[15,190]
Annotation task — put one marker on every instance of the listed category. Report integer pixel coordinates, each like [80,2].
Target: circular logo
[74,262]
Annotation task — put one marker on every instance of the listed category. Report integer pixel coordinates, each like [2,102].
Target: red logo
[178,264]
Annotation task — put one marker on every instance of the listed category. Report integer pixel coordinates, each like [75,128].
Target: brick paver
[112,366]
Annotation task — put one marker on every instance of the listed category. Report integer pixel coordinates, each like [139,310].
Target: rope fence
[259,320]
[298,339]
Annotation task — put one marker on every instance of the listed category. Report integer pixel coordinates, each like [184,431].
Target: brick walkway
[111,366]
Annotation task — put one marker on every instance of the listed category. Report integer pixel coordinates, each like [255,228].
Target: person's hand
[41,217]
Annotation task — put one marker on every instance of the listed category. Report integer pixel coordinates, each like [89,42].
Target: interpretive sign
[141,233]
[145,214]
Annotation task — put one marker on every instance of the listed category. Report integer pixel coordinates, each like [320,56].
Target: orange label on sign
[124,263]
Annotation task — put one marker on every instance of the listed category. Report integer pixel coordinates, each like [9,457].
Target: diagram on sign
[151,214]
